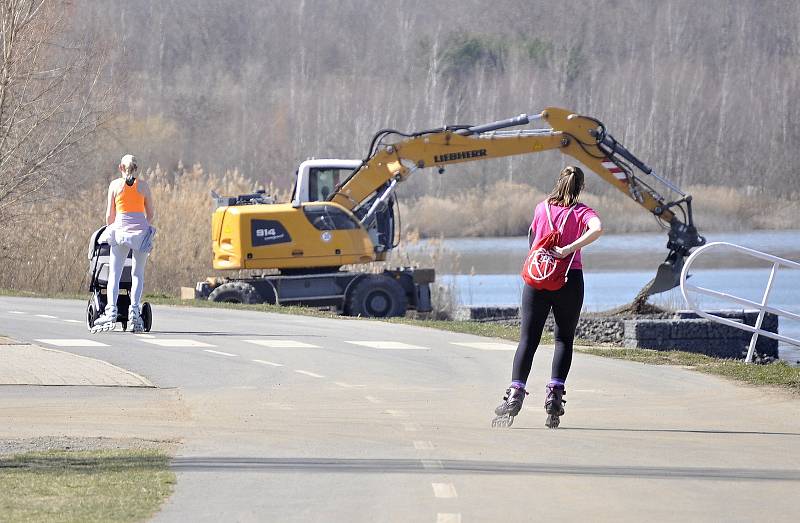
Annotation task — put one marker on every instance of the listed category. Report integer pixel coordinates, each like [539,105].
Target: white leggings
[117,262]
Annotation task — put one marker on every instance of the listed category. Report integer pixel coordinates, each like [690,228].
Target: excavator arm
[584,138]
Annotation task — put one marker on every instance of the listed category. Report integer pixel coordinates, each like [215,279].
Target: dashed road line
[78,342]
[394,345]
[219,352]
[444,517]
[307,373]
[347,385]
[73,321]
[444,490]
[16,312]
[396,413]
[269,363]
[423,445]
[412,427]
[485,345]
[46,316]
[144,335]
[283,344]
[176,342]
[373,399]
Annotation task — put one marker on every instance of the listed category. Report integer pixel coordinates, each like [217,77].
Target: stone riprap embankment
[681,330]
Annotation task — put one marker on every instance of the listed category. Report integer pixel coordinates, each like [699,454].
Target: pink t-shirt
[573,229]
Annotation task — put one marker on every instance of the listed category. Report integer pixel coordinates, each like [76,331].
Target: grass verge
[778,373]
[491,330]
[84,486]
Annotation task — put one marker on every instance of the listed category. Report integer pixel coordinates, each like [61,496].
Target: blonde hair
[128,164]
[568,187]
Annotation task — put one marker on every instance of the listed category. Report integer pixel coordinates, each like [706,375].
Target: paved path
[290,418]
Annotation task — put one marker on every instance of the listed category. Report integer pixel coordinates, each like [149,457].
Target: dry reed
[47,252]
[50,256]
[506,209]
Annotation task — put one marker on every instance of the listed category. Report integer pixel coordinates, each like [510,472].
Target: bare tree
[52,98]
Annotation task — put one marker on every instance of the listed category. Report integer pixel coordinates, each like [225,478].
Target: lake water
[484,271]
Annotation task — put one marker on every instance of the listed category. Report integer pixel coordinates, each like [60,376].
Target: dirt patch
[67,443]
[632,311]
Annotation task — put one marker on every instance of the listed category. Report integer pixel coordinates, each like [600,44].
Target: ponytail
[568,187]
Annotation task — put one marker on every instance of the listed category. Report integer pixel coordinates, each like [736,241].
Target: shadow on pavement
[678,431]
[401,466]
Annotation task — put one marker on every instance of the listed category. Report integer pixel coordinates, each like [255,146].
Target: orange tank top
[129,199]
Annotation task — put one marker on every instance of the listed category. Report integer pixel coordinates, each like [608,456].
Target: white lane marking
[176,342]
[412,427]
[73,321]
[219,352]
[423,445]
[388,345]
[481,345]
[307,373]
[46,316]
[444,490]
[16,312]
[269,363]
[448,517]
[144,335]
[74,343]
[373,399]
[432,464]
[283,344]
[396,413]
[349,385]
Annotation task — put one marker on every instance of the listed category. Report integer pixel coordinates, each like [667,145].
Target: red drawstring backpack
[542,270]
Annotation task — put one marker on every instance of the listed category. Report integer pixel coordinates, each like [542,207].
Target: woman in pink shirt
[582,227]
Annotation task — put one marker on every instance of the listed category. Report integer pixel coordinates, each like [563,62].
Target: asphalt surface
[286,418]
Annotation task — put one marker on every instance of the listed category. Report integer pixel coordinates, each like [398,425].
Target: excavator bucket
[668,275]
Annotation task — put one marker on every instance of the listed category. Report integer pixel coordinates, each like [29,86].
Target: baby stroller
[99,258]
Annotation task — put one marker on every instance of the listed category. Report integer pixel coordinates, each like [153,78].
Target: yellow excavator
[342,213]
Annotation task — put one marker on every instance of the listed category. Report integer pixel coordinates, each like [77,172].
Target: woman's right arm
[111,208]
[594,229]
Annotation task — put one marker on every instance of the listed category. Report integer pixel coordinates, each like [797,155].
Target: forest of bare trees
[704,92]
[52,100]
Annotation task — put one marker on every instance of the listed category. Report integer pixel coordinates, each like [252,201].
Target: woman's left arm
[149,208]
[594,229]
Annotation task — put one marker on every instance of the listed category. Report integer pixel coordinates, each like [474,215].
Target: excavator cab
[317,179]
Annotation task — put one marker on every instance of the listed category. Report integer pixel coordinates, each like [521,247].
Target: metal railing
[762,307]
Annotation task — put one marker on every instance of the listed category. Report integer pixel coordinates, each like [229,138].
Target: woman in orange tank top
[129,215]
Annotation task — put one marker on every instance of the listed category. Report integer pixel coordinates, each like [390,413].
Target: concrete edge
[5,340]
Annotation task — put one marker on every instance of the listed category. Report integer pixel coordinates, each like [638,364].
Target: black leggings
[566,304]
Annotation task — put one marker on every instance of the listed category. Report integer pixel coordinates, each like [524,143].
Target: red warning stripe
[614,169]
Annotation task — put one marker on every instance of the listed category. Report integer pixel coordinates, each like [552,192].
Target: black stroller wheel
[91,314]
[147,316]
